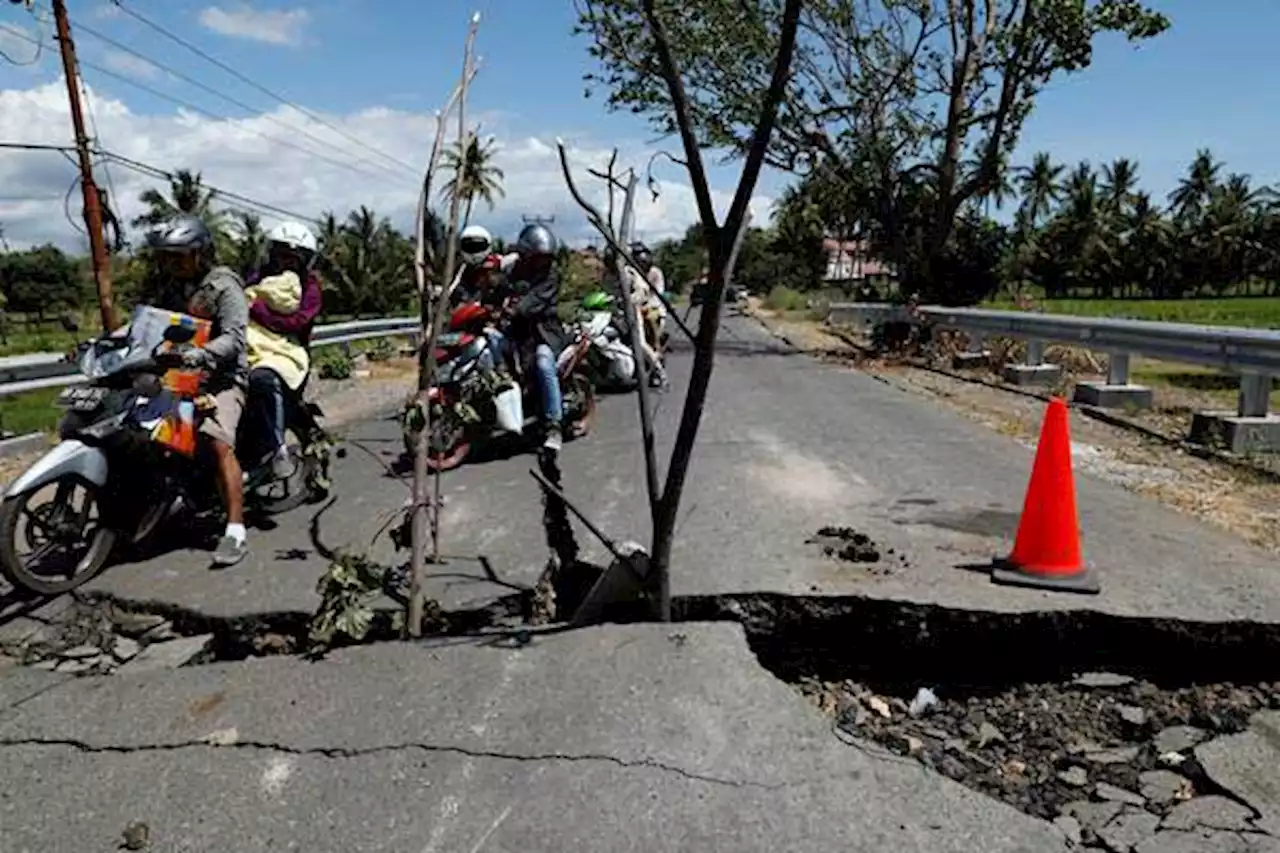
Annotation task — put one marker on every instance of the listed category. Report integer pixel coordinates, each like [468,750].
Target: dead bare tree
[722,240]
[623,264]
[424,524]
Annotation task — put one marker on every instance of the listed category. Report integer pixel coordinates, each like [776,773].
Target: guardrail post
[1116,392]
[975,353]
[1034,371]
[1250,429]
[1255,395]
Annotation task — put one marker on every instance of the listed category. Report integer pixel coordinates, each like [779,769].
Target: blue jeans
[496,358]
[544,369]
[266,399]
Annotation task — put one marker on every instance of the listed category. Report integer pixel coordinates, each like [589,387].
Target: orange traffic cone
[1046,551]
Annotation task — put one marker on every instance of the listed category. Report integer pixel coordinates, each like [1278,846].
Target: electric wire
[258,86]
[185,104]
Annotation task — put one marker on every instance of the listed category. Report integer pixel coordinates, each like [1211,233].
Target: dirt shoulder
[374,387]
[1239,499]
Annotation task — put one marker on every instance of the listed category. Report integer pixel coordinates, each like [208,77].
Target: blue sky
[1205,83]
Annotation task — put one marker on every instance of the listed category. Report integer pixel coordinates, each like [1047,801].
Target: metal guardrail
[22,373]
[1254,354]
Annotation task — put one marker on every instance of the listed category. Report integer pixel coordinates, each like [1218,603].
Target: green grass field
[30,412]
[1256,312]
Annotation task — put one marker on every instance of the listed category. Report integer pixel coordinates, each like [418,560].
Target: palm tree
[1189,199]
[1040,184]
[474,175]
[1118,181]
[249,242]
[187,194]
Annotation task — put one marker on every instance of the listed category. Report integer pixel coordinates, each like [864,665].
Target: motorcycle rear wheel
[17,571]
[582,413]
[297,487]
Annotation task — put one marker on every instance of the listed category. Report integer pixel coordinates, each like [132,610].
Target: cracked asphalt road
[613,738]
[610,738]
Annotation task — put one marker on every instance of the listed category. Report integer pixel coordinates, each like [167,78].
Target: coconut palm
[187,194]
[249,242]
[1040,184]
[474,175]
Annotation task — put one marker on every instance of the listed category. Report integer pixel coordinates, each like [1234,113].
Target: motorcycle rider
[642,298]
[291,249]
[654,310]
[189,281]
[534,327]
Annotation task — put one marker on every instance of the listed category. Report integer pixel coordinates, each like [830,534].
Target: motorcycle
[477,395]
[610,363]
[128,443]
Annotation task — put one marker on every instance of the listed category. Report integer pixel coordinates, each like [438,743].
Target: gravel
[1107,758]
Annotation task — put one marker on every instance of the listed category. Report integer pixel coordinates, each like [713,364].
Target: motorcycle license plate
[449,339]
[79,399]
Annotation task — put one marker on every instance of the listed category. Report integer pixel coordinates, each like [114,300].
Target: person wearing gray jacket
[188,281]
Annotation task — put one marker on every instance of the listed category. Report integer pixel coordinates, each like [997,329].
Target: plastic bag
[510,409]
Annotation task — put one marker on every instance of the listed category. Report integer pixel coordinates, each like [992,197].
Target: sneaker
[554,440]
[229,552]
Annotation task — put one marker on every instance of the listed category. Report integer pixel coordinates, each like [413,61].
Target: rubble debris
[1070,827]
[170,654]
[1102,679]
[1178,738]
[1164,787]
[1211,811]
[924,700]
[1116,755]
[1096,761]
[1116,794]
[137,836]
[1123,833]
[1076,777]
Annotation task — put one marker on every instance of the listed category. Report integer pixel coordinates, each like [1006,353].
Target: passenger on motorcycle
[282,312]
[186,279]
[481,281]
[534,327]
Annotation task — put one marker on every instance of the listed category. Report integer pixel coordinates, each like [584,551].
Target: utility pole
[538,220]
[92,206]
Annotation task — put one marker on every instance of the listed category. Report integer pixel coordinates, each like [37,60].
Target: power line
[39,43]
[35,146]
[154,92]
[83,28]
[245,201]
[263,89]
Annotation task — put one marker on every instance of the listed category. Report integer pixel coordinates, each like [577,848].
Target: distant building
[850,264]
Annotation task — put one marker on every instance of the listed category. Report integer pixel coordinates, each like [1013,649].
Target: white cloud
[131,66]
[274,26]
[232,156]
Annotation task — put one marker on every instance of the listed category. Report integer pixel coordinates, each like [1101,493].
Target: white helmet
[296,236]
[475,242]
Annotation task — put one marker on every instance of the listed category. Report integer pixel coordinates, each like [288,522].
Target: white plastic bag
[510,409]
[622,364]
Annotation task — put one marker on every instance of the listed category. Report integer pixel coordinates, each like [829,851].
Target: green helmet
[597,301]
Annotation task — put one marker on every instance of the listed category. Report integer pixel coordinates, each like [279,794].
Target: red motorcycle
[477,396]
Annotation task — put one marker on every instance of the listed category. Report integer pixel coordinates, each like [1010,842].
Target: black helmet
[536,239]
[641,253]
[182,233]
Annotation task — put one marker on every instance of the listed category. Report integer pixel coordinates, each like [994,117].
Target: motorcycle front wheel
[75,546]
